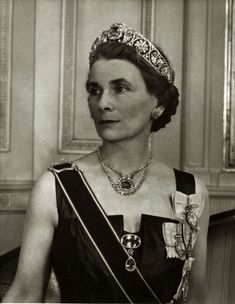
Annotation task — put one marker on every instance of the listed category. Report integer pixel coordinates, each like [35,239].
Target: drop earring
[155,114]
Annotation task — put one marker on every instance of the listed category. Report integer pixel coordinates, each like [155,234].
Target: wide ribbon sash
[100,231]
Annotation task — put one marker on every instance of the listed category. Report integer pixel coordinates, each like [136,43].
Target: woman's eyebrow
[91,83]
[120,81]
[112,82]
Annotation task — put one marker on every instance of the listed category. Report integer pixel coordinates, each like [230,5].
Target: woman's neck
[126,156]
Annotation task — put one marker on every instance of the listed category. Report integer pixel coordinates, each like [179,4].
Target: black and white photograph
[117,151]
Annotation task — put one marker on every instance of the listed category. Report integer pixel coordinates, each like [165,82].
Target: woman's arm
[41,219]
[197,284]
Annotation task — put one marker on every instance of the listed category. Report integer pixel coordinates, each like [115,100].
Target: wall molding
[16,185]
[223,192]
[14,195]
[229,93]
[148,18]
[5,72]
[203,93]
[67,141]
[195,154]
[221,199]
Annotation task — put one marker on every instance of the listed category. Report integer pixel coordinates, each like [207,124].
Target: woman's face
[119,102]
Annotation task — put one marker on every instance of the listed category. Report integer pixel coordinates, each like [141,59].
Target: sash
[91,215]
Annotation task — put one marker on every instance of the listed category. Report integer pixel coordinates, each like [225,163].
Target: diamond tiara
[120,32]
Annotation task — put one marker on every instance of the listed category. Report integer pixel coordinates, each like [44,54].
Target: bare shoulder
[39,226]
[45,182]
[43,198]
[44,186]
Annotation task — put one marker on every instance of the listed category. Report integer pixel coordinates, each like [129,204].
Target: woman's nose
[105,102]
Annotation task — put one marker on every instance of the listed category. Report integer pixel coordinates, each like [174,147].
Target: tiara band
[121,33]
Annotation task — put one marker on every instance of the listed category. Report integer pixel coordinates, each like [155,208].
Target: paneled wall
[44,46]
[17,20]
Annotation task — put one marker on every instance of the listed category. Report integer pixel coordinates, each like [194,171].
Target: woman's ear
[156,107]
[157,112]
[160,110]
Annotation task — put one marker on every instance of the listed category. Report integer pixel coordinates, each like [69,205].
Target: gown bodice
[81,273]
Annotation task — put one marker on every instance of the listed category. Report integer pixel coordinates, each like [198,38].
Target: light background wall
[44,115]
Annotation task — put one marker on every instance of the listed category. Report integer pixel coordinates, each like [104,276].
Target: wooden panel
[229,90]
[221,275]
[202,128]
[5,72]
[168,27]
[16,163]
[218,176]
[195,113]
[14,197]
[77,36]
[12,223]
[16,86]
[221,199]
[217,61]
[47,72]
[86,34]
[14,201]
[74,113]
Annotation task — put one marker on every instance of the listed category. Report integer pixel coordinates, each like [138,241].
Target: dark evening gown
[81,273]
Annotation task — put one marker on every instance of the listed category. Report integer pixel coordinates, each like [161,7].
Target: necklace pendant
[126,185]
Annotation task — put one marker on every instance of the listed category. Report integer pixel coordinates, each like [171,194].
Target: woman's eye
[93,91]
[120,89]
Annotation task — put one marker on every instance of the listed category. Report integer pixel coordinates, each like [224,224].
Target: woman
[117,226]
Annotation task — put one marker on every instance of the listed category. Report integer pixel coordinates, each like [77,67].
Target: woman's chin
[111,136]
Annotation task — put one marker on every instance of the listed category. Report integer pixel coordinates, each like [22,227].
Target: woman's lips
[108,121]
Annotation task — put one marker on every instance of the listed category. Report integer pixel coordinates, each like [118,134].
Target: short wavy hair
[156,84]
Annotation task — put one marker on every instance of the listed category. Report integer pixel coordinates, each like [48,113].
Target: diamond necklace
[125,185]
